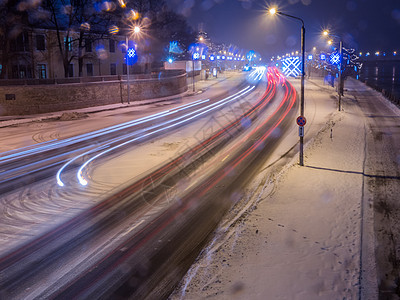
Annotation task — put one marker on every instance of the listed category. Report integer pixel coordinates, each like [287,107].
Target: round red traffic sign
[301,121]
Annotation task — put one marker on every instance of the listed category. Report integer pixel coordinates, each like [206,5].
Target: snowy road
[35,207]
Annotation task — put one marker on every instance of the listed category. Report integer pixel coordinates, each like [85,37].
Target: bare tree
[14,19]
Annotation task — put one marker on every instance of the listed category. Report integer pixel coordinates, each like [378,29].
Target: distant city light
[170,60]
[394,53]
[367,54]
[377,53]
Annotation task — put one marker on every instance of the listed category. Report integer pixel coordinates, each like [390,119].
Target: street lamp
[340,84]
[136,30]
[274,11]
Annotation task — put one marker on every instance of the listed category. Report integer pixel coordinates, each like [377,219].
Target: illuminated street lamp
[274,11]
[135,30]
[340,84]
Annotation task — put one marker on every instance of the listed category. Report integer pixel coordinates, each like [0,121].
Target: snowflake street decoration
[131,52]
[131,56]
[334,58]
[196,55]
[291,66]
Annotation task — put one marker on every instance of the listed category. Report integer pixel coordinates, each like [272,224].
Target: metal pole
[340,75]
[193,73]
[303,41]
[127,69]
[303,32]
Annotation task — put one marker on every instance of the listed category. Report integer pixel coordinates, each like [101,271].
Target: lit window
[42,71]
[68,43]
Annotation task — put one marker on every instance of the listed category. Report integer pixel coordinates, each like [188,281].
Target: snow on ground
[301,232]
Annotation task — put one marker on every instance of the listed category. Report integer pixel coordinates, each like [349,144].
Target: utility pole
[127,69]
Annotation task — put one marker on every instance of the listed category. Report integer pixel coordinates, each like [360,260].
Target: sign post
[301,121]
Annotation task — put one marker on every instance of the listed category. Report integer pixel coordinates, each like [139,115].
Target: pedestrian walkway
[304,232]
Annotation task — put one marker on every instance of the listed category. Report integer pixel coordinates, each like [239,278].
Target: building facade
[36,54]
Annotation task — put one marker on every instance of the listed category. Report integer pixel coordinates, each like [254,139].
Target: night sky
[366,25]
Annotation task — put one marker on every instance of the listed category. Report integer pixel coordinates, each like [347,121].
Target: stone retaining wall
[34,99]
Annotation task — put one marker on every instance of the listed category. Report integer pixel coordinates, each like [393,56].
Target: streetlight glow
[136,29]
[273,11]
[339,60]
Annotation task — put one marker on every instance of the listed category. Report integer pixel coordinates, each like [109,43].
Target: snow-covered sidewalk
[308,230]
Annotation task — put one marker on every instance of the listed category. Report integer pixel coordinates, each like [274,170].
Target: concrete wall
[186,65]
[33,99]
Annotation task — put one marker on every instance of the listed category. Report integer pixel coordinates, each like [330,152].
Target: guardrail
[393,98]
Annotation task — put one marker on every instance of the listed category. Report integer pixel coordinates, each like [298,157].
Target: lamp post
[136,30]
[340,84]
[127,68]
[195,56]
[273,11]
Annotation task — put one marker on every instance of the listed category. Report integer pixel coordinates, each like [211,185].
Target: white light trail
[177,121]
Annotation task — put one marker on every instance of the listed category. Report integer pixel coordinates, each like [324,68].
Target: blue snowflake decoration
[291,66]
[334,58]
[131,56]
